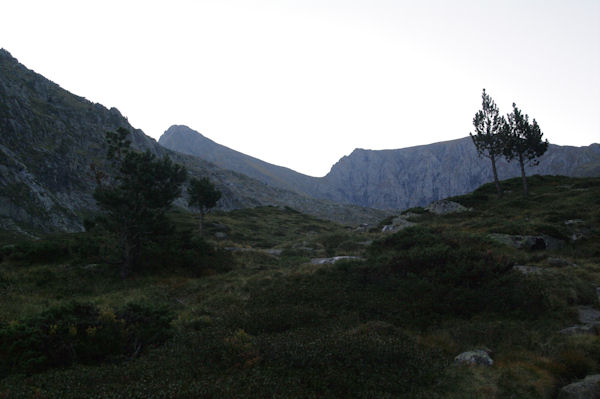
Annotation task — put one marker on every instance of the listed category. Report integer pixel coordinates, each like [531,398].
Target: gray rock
[475,357]
[588,388]
[527,242]
[444,207]
[559,262]
[588,315]
[323,261]
[590,322]
[273,251]
[528,269]
[573,221]
[579,329]
[220,235]
[398,223]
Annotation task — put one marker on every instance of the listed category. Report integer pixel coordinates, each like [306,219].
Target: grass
[389,326]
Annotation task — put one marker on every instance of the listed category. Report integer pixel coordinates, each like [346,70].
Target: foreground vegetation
[244,313]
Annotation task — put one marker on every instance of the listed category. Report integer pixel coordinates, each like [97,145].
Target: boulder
[528,269]
[323,261]
[559,262]
[579,329]
[399,223]
[527,242]
[588,388]
[444,207]
[588,315]
[475,357]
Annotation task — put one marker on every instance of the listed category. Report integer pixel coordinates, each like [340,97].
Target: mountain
[389,179]
[397,179]
[187,141]
[50,138]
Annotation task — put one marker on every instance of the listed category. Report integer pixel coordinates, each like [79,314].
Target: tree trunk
[522,164]
[127,259]
[201,222]
[496,181]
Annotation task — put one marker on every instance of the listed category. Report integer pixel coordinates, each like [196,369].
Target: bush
[453,275]
[79,333]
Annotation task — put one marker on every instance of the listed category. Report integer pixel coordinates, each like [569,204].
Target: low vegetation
[242,312]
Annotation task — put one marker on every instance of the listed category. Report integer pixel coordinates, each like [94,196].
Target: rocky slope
[389,179]
[187,141]
[418,175]
[49,138]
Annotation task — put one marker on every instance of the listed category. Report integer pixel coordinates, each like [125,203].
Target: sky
[302,83]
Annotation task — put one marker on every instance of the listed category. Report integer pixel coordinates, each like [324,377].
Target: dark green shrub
[451,274]
[79,333]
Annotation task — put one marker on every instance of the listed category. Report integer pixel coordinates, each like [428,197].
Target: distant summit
[182,139]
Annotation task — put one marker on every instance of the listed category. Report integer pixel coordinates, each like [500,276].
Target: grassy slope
[277,326]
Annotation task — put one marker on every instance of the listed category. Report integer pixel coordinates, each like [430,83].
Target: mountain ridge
[50,138]
[389,179]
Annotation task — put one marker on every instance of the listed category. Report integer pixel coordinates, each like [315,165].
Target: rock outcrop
[588,388]
[475,357]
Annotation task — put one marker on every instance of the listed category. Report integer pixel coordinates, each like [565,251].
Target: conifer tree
[524,142]
[135,202]
[203,195]
[489,138]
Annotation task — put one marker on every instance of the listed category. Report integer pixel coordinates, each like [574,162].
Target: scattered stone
[573,221]
[411,215]
[579,329]
[588,388]
[527,242]
[444,207]
[323,261]
[475,357]
[273,251]
[590,319]
[399,223]
[559,262]
[363,228]
[528,269]
[588,315]
[270,251]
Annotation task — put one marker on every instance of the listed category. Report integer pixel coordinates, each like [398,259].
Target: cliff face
[50,138]
[392,179]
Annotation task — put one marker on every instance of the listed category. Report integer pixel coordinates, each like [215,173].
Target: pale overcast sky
[302,83]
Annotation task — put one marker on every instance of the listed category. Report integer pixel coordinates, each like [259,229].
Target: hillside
[268,316]
[389,179]
[187,141]
[50,138]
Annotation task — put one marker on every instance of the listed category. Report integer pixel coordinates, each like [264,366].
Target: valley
[259,319]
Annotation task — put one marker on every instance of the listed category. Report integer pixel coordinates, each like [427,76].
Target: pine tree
[203,195]
[489,137]
[524,142]
[140,193]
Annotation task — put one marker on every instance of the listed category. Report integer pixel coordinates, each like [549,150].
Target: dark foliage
[489,137]
[136,203]
[79,333]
